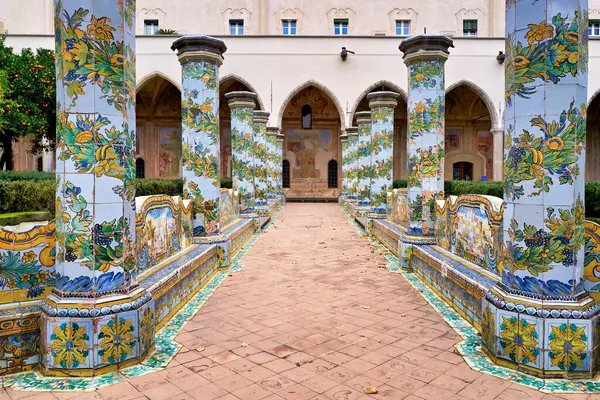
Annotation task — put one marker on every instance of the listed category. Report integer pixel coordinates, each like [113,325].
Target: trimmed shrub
[592,199]
[226,183]
[456,188]
[25,176]
[149,187]
[399,183]
[21,196]
[19,217]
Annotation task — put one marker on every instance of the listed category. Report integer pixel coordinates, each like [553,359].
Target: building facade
[312,65]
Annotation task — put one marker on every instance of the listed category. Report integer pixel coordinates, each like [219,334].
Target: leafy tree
[163,31]
[27,100]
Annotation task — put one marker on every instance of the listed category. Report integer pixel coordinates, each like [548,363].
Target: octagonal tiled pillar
[261,161]
[345,165]
[382,106]
[425,56]
[97,317]
[200,58]
[540,317]
[242,144]
[352,133]
[363,158]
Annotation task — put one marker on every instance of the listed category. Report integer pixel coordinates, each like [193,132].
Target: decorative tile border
[166,346]
[471,346]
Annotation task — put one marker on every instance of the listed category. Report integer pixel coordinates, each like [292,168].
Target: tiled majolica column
[425,56]
[273,168]
[200,58]
[540,315]
[242,154]
[261,161]
[97,317]
[280,141]
[363,158]
[345,165]
[382,106]
[352,133]
[277,160]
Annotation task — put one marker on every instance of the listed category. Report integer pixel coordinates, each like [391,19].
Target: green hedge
[25,176]
[35,191]
[19,217]
[592,199]
[149,187]
[21,196]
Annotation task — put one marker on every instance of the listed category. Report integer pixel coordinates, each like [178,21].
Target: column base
[550,338]
[90,337]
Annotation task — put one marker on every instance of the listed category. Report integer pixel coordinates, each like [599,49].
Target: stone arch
[482,95]
[261,105]
[373,87]
[592,154]
[593,97]
[158,125]
[156,74]
[319,86]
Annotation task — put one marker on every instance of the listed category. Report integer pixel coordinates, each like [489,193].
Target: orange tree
[27,100]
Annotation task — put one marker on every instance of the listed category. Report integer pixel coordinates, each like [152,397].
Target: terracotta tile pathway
[314,314]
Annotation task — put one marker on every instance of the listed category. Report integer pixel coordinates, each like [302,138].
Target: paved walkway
[314,314]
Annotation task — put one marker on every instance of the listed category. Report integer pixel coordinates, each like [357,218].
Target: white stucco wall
[275,66]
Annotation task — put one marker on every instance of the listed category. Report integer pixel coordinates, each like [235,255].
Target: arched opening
[468,138]
[158,127]
[140,170]
[306,117]
[400,127]
[462,171]
[311,125]
[592,142]
[229,84]
[39,164]
[285,174]
[332,175]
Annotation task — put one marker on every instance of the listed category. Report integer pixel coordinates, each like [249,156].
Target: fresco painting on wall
[309,151]
[170,152]
[226,152]
[452,140]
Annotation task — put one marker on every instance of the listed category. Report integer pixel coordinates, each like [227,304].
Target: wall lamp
[501,57]
[344,53]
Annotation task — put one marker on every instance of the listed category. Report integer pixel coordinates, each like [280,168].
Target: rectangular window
[289,27]
[469,27]
[150,26]
[403,28]
[236,27]
[340,27]
[594,27]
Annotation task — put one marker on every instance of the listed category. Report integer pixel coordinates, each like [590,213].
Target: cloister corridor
[313,314]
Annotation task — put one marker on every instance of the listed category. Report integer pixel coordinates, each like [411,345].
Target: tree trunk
[6,160]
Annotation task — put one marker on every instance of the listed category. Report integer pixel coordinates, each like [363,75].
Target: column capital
[497,131]
[241,99]
[261,117]
[198,47]
[273,131]
[352,131]
[383,99]
[416,48]
[363,117]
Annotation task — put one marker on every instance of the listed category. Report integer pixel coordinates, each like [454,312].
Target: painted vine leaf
[91,55]
[537,159]
[550,53]
[426,75]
